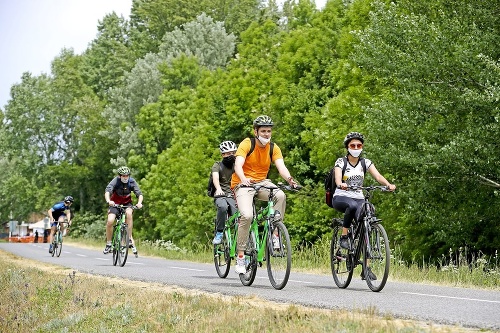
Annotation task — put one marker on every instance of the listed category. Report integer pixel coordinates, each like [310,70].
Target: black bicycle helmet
[262,121]
[123,171]
[227,146]
[69,198]
[353,135]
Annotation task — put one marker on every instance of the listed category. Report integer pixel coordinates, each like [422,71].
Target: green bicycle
[226,250]
[57,239]
[268,241]
[121,237]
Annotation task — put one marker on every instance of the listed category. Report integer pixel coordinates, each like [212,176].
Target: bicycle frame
[263,217]
[231,231]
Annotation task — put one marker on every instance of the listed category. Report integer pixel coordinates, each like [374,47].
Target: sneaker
[134,250]
[344,242]
[240,265]
[50,248]
[218,238]
[371,275]
[107,249]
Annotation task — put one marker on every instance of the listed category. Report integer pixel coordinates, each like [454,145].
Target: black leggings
[349,206]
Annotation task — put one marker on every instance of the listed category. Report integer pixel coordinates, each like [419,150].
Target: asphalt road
[441,305]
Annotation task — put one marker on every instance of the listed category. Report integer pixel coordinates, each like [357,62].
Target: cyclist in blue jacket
[58,213]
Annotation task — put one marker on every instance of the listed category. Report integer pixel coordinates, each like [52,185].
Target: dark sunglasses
[355,145]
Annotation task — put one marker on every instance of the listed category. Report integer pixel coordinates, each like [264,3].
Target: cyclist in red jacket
[119,192]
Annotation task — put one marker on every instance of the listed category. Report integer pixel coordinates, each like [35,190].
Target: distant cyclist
[222,172]
[57,214]
[119,192]
[250,169]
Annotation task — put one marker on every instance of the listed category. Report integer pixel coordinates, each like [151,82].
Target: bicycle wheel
[115,245]
[123,245]
[340,260]
[251,261]
[378,260]
[58,243]
[222,260]
[278,256]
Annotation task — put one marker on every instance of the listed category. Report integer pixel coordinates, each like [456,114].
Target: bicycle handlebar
[275,187]
[367,188]
[124,207]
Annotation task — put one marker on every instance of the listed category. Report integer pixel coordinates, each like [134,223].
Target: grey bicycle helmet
[352,136]
[263,121]
[69,198]
[123,171]
[227,146]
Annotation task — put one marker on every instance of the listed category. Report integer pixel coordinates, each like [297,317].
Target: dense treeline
[160,90]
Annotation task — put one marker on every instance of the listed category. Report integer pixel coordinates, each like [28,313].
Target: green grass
[55,299]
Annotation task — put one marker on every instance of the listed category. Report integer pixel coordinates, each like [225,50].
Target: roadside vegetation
[54,299]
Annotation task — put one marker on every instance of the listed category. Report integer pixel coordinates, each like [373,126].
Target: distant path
[441,305]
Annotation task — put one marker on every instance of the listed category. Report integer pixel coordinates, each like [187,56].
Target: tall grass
[61,300]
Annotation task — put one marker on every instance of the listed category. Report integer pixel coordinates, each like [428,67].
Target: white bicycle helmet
[227,146]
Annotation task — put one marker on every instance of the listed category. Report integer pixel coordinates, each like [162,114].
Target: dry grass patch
[55,299]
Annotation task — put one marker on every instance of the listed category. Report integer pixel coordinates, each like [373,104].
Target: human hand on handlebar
[247,181]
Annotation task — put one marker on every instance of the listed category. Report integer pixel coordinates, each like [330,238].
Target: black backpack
[211,187]
[330,180]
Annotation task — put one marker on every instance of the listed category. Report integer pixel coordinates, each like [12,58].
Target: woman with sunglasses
[353,174]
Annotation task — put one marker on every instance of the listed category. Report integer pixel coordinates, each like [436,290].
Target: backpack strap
[363,165]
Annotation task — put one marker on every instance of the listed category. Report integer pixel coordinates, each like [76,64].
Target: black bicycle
[367,240]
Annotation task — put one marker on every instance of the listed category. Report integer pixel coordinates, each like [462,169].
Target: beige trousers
[244,199]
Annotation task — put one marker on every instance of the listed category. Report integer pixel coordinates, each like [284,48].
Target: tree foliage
[159,92]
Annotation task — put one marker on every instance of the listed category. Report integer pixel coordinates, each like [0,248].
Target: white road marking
[300,281]
[452,297]
[81,255]
[102,259]
[188,269]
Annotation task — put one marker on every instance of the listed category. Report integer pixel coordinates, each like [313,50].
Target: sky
[33,33]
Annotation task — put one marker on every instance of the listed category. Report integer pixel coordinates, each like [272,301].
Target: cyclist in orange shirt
[250,168]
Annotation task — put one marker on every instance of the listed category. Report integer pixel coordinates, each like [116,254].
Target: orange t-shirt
[256,165]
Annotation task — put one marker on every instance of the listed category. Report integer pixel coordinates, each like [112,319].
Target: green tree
[435,123]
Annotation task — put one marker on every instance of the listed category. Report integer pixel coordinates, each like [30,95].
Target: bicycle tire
[251,261]
[278,256]
[115,245]
[222,260]
[340,260]
[58,242]
[123,245]
[379,258]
